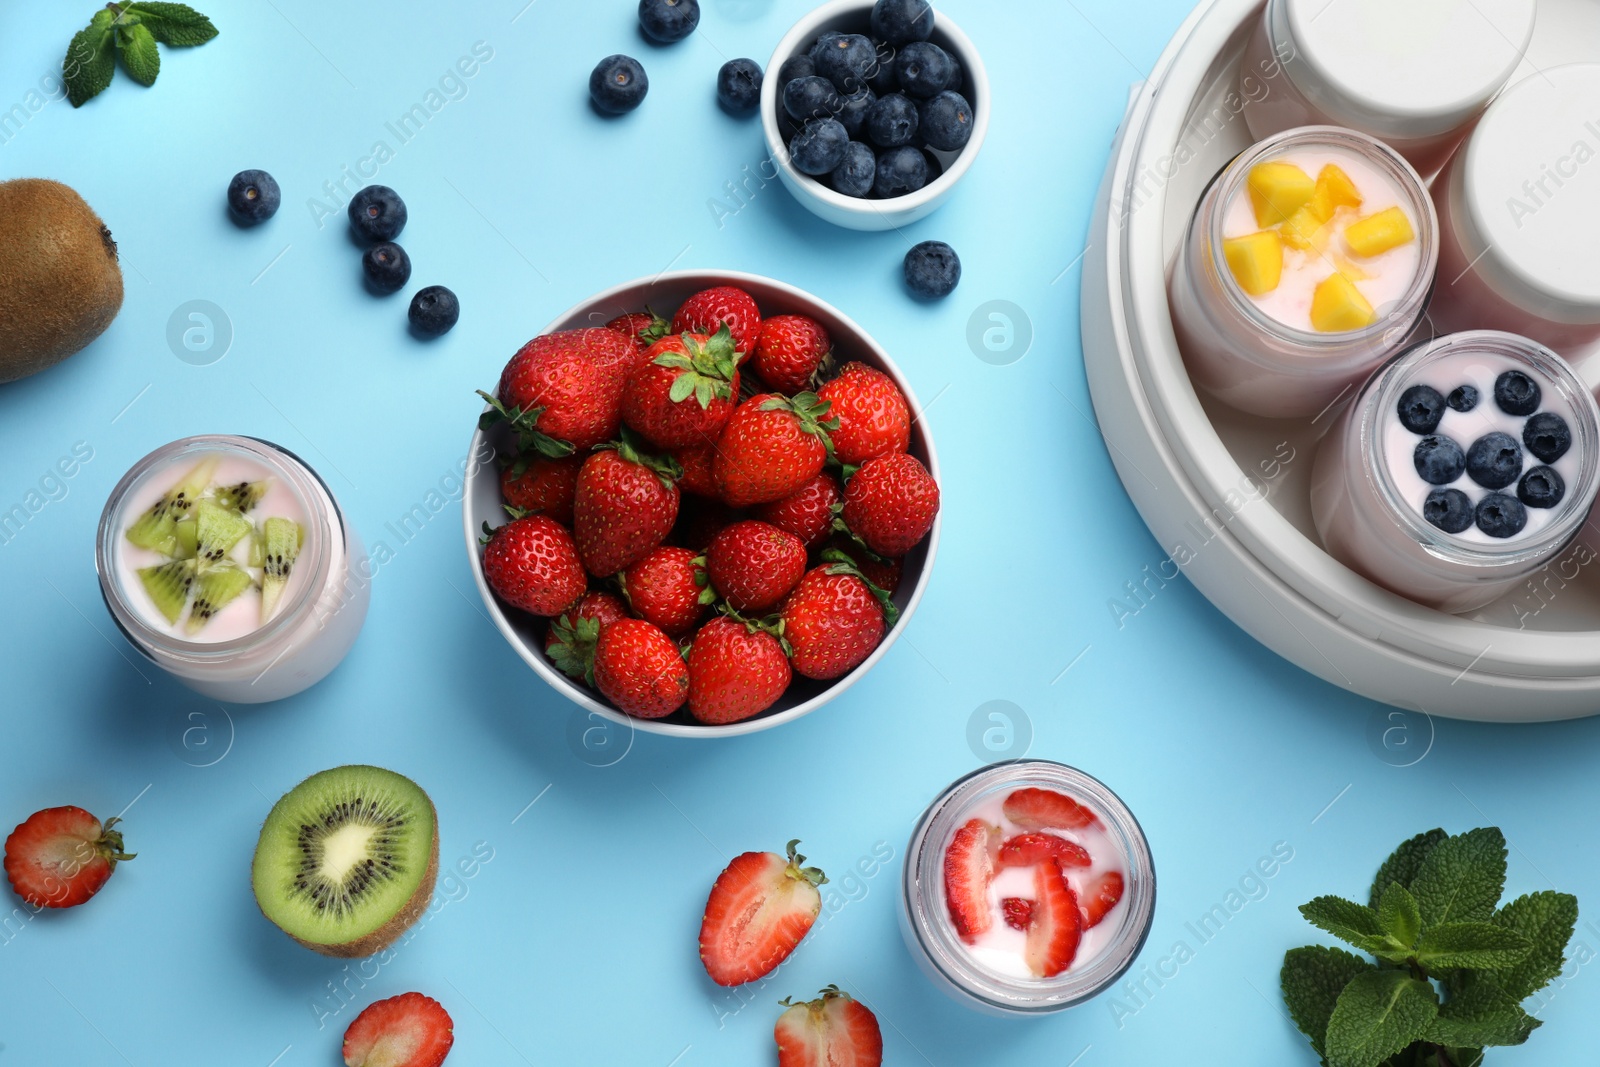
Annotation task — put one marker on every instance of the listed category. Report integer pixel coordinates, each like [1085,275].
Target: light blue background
[576,943]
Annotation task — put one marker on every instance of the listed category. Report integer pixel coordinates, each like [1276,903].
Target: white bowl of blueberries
[873,110]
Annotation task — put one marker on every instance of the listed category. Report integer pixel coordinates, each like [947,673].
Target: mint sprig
[1451,969]
[131,30]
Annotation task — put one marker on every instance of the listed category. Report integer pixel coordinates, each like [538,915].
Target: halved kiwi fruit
[347,860]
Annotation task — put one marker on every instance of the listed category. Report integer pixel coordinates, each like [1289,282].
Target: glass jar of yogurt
[1028,888]
[1415,74]
[228,563]
[1463,466]
[1308,263]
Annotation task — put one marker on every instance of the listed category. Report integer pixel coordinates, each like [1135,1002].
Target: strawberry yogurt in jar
[227,562]
[1028,888]
[1308,263]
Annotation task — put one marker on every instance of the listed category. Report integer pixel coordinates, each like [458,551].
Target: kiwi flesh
[242,496]
[217,530]
[168,585]
[156,528]
[347,860]
[282,538]
[218,586]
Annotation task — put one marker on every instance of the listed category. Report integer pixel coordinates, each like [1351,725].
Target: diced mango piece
[1278,190]
[1376,234]
[1334,191]
[1256,261]
[1346,266]
[1305,230]
[1337,306]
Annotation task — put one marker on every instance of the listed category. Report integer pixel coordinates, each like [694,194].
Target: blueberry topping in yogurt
[1547,436]
[1448,509]
[1501,516]
[1541,487]
[1495,459]
[1438,459]
[1463,397]
[1421,408]
[1516,393]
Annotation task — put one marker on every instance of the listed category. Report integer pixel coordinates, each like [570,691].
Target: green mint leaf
[1402,866]
[90,63]
[1546,919]
[1474,945]
[1461,878]
[139,53]
[1312,978]
[1481,1015]
[177,25]
[1379,1013]
[1399,916]
[1352,922]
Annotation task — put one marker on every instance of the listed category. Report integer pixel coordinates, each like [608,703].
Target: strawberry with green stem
[640,669]
[668,587]
[60,857]
[684,391]
[760,908]
[771,447]
[834,619]
[562,392]
[835,1030]
[625,504]
[572,637]
[532,563]
[737,670]
[723,306]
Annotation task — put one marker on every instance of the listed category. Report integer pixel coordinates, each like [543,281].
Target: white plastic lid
[1530,186]
[1405,68]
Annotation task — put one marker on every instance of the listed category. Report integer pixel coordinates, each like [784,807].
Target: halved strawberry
[835,1030]
[1100,896]
[1018,912]
[1056,925]
[1045,809]
[60,857]
[968,870]
[409,1030]
[760,907]
[1025,850]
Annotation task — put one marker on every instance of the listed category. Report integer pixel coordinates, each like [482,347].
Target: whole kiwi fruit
[60,285]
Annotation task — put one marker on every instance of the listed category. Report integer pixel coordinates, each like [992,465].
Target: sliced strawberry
[1025,850]
[60,857]
[1018,912]
[409,1030]
[760,907]
[1057,924]
[1100,896]
[834,1030]
[1045,809]
[968,870]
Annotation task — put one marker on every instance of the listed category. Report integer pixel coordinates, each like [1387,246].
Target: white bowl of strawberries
[703,523]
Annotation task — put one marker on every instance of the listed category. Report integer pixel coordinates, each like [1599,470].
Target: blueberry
[1420,409]
[932,269]
[854,176]
[820,147]
[946,122]
[739,85]
[1541,487]
[1547,436]
[377,213]
[1463,397]
[253,197]
[1494,460]
[1448,509]
[854,113]
[666,21]
[1516,393]
[810,98]
[847,61]
[1438,459]
[820,45]
[892,121]
[433,310]
[900,170]
[618,84]
[387,265]
[1501,516]
[796,66]
[923,69]
[881,77]
[957,82]
[902,21]
[935,165]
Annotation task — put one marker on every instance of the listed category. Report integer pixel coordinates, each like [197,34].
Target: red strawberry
[532,564]
[625,506]
[1056,924]
[1018,912]
[808,513]
[700,520]
[754,565]
[883,573]
[640,670]
[1100,896]
[60,857]
[832,1031]
[571,638]
[890,503]
[832,621]
[1045,809]
[562,392]
[668,587]
[683,392]
[789,351]
[409,1030]
[735,671]
[645,327]
[710,309]
[1027,850]
[535,483]
[760,907]
[968,870]
[697,477]
[873,417]
[771,447]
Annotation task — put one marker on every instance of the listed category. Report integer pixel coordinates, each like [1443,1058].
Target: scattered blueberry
[1421,407]
[253,197]
[881,77]
[902,21]
[433,310]
[854,176]
[900,171]
[618,84]
[847,61]
[810,98]
[1547,436]
[377,213]
[1448,509]
[666,21]
[739,85]
[933,269]
[820,147]
[1501,516]
[797,66]
[387,265]
[1463,397]
[1516,393]
[892,121]
[1438,459]
[946,122]
[1494,460]
[1541,487]
[924,69]
[854,113]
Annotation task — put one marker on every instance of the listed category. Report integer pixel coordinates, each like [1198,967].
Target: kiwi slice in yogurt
[156,529]
[217,586]
[282,541]
[168,585]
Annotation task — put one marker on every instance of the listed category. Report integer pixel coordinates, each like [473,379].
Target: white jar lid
[1527,194]
[1403,68]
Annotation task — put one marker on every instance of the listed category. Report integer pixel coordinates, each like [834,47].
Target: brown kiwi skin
[60,285]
